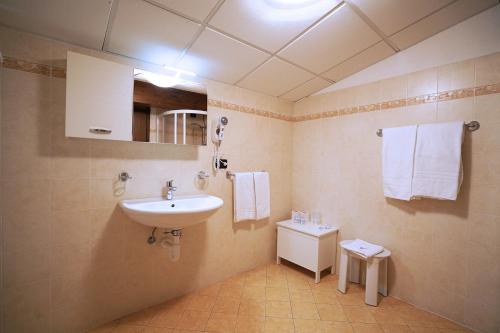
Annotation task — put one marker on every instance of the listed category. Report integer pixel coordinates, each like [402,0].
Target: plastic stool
[376,272]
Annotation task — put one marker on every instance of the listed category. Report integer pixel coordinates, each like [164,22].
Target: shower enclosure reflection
[176,115]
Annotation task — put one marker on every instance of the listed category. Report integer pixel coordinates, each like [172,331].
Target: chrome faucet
[170,189]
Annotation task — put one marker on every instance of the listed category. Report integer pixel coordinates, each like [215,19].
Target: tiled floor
[280,298]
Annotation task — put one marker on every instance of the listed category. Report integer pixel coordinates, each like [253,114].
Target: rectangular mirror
[168,114]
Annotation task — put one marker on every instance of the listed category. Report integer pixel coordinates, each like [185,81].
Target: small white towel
[262,195]
[438,161]
[244,196]
[397,161]
[363,248]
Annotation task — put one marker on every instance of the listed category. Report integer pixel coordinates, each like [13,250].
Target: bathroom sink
[178,213]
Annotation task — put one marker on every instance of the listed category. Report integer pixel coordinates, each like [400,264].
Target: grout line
[372,25]
[111,18]
[202,28]
[305,31]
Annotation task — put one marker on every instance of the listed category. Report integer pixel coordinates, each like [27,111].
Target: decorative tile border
[32,67]
[53,71]
[416,100]
[248,109]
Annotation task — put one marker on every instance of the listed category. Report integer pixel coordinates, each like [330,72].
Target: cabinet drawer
[298,248]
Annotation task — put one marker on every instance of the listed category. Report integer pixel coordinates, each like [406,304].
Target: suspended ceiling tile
[143,31]
[393,15]
[195,9]
[275,78]
[360,61]
[78,22]
[308,88]
[218,57]
[338,37]
[440,21]
[269,24]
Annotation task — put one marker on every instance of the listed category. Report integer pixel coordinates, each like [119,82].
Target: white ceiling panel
[218,57]
[338,37]
[195,9]
[360,61]
[306,89]
[269,24]
[393,15]
[440,21]
[78,22]
[143,31]
[275,78]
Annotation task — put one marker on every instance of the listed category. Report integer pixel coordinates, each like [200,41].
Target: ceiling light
[160,80]
[290,10]
[179,71]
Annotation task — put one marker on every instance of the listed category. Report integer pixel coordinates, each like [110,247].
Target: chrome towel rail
[472,126]
[230,174]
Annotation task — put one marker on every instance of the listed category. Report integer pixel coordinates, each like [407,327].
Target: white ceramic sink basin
[181,212]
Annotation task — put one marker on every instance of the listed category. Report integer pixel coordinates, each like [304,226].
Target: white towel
[363,248]
[244,196]
[262,195]
[397,161]
[438,159]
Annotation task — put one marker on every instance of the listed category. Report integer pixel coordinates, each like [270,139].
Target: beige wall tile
[487,69]
[422,83]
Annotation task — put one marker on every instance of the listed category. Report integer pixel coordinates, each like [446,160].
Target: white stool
[376,276]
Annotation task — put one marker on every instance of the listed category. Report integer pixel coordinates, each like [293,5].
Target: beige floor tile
[252,308]
[201,303]
[358,314]
[277,294]
[366,328]
[325,297]
[304,310]
[351,299]
[221,323]
[424,329]
[302,296]
[250,324]
[278,325]
[151,329]
[227,305]
[307,326]
[254,293]
[387,316]
[212,290]
[193,320]
[331,312]
[336,327]
[278,309]
[395,328]
[295,284]
[169,316]
[231,290]
[277,281]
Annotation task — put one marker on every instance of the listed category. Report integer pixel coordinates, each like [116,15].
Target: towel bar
[230,174]
[472,126]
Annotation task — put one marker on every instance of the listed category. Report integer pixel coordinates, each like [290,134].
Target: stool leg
[382,282]
[344,260]
[317,276]
[354,269]
[371,292]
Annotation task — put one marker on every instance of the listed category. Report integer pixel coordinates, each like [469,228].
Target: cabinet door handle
[99,130]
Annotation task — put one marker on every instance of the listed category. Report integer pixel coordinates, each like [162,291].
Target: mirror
[167,113]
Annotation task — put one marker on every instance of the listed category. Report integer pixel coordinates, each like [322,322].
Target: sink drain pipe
[172,242]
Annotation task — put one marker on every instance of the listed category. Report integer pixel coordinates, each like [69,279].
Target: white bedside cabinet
[307,246]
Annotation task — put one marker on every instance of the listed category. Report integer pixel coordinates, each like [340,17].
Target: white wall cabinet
[99,97]
[307,246]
